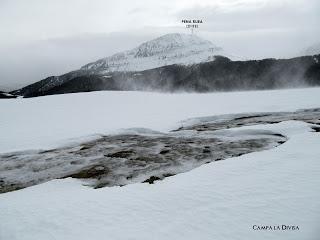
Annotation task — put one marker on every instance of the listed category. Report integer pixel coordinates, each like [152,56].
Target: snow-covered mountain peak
[170,42]
[174,48]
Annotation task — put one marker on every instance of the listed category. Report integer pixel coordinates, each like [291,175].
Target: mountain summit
[174,48]
[179,62]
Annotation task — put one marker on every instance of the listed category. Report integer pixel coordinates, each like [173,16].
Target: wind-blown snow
[312,50]
[220,200]
[51,121]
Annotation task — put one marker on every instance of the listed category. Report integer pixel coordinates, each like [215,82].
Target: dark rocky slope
[219,75]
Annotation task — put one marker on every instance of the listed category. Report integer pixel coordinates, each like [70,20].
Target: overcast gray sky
[40,38]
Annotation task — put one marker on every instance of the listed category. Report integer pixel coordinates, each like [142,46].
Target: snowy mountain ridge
[179,62]
[312,50]
[174,48]
[169,49]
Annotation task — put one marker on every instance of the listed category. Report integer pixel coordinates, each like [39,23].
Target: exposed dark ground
[122,159]
[4,95]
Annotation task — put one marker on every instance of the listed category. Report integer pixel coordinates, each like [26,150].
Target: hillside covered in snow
[175,48]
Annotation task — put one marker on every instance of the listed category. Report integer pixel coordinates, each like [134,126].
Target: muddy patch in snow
[147,156]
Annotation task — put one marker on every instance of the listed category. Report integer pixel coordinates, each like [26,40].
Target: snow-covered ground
[50,121]
[220,200]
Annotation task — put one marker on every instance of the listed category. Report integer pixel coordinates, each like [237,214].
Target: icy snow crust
[169,49]
[221,200]
[129,158]
[54,121]
[148,156]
